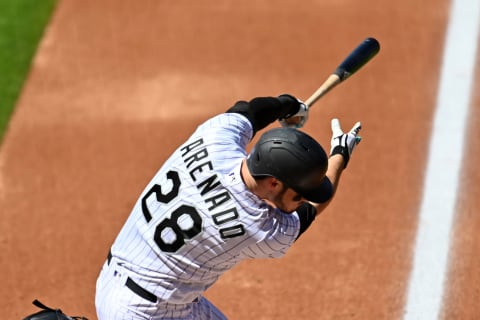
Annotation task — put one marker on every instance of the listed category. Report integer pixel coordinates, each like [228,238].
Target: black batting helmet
[294,158]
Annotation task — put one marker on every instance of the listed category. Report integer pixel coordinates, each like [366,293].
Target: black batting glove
[296,119]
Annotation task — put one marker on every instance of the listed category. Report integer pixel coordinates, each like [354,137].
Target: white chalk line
[437,211]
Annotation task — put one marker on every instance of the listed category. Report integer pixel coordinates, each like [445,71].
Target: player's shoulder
[227,126]
[228,121]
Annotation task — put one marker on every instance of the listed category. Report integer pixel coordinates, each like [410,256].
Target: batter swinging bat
[354,61]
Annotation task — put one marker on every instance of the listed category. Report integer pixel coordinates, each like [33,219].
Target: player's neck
[248,178]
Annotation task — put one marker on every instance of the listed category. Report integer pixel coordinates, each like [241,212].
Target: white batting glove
[298,119]
[344,143]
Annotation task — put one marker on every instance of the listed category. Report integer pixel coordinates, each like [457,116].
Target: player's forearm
[342,147]
[336,165]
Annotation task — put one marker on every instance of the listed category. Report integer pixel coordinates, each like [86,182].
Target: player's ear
[274,183]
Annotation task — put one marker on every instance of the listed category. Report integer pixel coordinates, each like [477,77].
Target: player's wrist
[336,160]
[341,152]
[298,115]
[291,102]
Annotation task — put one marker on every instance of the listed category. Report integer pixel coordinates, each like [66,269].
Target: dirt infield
[116,85]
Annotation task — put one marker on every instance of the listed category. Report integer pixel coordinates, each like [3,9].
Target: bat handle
[329,84]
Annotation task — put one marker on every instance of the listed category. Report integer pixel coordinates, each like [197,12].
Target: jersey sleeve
[283,230]
[274,236]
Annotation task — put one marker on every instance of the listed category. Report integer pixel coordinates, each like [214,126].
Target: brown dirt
[116,85]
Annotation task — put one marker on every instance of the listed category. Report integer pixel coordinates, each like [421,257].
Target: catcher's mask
[294,158]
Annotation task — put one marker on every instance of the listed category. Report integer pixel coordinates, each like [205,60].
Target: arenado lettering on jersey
[195,157]
[184,222]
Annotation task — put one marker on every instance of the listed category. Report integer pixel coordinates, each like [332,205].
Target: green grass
[22,23]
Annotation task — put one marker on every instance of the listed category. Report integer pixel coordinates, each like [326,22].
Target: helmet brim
[318,194]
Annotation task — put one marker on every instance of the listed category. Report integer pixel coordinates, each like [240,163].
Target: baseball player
[211,206]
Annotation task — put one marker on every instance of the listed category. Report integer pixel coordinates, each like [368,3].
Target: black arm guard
[307,214]
[265,110]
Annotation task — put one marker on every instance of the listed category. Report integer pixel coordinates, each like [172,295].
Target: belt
[136,288]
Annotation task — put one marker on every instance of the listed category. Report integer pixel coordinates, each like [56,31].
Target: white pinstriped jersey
[196,219]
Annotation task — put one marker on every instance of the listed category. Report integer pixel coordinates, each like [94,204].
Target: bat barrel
[357,58]
[354,61]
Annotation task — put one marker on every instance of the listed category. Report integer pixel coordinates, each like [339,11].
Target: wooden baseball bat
[354,61]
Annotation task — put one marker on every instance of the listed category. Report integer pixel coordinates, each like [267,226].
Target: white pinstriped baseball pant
[114,300]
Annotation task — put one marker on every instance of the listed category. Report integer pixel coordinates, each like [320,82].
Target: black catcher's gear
[50,314]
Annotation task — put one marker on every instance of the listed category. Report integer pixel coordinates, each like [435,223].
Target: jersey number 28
[181,231]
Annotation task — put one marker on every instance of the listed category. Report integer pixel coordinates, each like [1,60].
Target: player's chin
[289,209]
